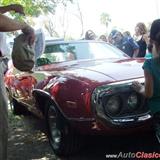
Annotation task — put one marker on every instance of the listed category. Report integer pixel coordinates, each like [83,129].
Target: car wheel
[19,109]
[63,139]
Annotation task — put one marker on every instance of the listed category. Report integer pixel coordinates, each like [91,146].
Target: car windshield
[78,51]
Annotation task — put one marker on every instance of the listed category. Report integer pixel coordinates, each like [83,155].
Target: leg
[3,119]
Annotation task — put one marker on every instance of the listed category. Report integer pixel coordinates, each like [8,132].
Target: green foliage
[105,19]
[36,7]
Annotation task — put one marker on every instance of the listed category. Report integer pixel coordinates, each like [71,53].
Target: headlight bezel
[123,89]
[112,111]
[124,108]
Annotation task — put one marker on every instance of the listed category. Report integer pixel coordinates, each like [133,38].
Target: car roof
[57,41]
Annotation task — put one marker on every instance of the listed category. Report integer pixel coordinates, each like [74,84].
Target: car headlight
[132,101]
[113,105]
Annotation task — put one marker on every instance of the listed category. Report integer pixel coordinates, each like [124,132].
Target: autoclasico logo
[139,155]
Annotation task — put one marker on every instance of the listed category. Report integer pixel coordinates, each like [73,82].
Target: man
[7,25]
[127,45]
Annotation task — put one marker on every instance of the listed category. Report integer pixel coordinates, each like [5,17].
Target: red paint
[73,83]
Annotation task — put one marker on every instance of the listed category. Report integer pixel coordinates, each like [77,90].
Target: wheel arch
[42,98]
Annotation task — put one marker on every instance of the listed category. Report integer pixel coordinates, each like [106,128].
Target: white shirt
[3,45]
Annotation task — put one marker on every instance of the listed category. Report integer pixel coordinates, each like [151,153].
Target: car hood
[102,71]
[118,70]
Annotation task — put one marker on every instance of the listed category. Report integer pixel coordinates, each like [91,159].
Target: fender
[42,97]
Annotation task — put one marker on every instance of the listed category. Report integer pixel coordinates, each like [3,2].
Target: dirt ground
[27,141]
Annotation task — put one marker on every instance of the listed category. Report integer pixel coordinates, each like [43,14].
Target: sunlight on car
[78,50]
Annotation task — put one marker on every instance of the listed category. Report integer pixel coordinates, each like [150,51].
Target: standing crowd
[135,46]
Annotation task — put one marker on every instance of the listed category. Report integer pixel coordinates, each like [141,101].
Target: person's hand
[146,38]
[17,8]
[138,87]
[30,34]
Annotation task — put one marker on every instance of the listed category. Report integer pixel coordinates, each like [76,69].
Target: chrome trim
[145,117]
[41,91]
[112,87]
[125,121]
[116,88]
[139,119]
[140,80]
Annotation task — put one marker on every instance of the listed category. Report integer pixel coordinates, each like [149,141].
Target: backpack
[23,54]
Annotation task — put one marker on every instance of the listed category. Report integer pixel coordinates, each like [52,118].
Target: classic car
[81,88]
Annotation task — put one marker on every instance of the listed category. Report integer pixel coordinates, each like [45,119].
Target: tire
[63,139]
[19,109]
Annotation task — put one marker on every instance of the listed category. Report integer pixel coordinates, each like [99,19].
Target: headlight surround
[113,105]
[132,101]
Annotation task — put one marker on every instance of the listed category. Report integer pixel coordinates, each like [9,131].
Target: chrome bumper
[129,121]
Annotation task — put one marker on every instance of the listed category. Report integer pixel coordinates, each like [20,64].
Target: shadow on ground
[27,141]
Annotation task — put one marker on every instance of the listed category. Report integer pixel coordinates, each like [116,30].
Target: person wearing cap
[110,37]
[127,45]
[151,88]
[6,25]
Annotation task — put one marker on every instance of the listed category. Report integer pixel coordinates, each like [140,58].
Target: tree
[34,8]
[65,15]
[79,16]
[50,27]
[64,21]
[105,19]
[37,7]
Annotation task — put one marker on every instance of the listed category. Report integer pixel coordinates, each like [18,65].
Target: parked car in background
[81,88]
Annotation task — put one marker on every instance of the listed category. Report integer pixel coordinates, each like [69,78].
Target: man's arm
[13,7]
[8,24]
[5,9]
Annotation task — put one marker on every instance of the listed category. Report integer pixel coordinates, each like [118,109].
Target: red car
[81,88]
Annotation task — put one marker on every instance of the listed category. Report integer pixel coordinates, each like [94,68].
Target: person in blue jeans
[151,88]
